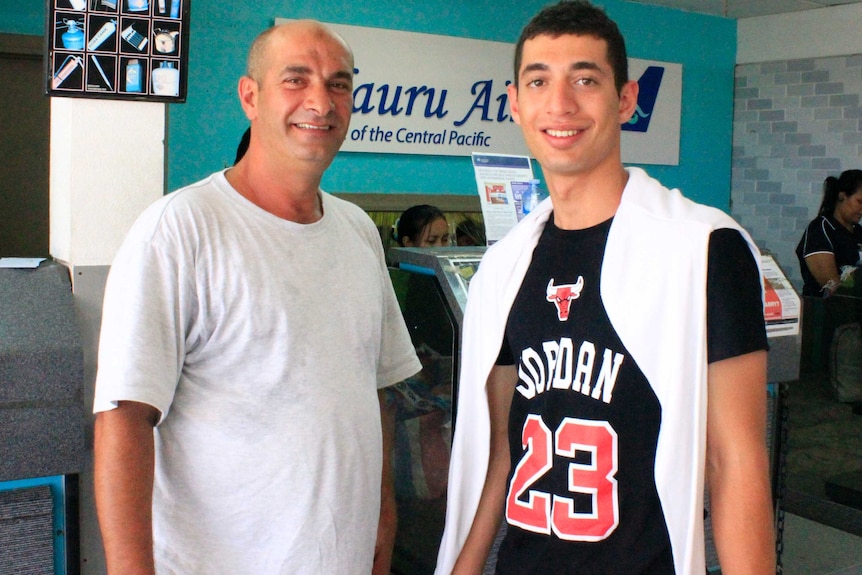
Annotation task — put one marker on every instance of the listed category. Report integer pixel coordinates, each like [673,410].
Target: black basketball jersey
[584,422]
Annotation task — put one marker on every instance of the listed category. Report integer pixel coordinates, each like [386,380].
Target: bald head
[257,54]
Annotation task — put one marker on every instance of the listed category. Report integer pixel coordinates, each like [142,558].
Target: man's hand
[386,530]
[388,524]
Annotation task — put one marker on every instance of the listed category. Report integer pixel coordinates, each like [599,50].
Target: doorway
[24,147]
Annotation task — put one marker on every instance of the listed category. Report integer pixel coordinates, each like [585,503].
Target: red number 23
[542,512]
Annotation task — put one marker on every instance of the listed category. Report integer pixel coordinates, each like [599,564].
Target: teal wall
[22,17]
[204,131]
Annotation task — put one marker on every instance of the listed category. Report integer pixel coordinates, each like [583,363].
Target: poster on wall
[502,181]
[117,49]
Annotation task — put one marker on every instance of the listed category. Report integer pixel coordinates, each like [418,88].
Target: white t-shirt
[262,342]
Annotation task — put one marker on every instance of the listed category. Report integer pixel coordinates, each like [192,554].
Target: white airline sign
[417,93]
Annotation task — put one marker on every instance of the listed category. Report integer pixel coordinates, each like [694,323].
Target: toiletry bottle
[166,80]
[73,38]
[133,76]
[138,5]
[175,8]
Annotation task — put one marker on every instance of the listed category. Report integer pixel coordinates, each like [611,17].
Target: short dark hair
[580,18]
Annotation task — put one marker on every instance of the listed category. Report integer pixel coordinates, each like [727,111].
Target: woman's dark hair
[242,147]
[413,222]
[849,182]
[579,18]
[470,232]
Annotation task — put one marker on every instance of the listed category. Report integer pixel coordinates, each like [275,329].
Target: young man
[614,350]
[248,323]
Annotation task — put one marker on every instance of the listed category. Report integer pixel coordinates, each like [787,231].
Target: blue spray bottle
[73,37]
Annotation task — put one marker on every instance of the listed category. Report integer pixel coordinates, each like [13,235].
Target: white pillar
[107,165]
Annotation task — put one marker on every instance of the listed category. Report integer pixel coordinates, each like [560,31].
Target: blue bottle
[531,197]
[73,38]
[133,76]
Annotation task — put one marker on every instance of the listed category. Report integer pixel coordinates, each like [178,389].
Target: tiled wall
[795,122]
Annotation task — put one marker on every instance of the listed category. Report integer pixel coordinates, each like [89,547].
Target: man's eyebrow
[305,71]
[534,67]
[342,75]
[586,65]
[579,65]
[297,69]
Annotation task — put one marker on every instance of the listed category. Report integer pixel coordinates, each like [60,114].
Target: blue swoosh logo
[649,84]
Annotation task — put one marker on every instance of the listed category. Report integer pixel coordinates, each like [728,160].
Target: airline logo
[649,83]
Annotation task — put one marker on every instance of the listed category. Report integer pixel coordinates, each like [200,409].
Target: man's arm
[489,515]
[738,465]
[124,465]
[388,525]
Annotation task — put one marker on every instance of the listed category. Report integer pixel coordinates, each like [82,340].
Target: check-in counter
[42,418]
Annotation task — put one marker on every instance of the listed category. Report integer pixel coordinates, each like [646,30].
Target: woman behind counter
[833,240]
[421,226]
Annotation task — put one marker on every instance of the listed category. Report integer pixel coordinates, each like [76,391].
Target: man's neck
[290,195]
[583,201]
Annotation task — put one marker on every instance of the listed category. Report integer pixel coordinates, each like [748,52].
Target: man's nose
[319,100]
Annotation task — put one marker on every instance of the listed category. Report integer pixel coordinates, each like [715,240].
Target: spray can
[105,32]
[133,76]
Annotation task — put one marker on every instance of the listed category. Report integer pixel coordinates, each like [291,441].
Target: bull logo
[563,295]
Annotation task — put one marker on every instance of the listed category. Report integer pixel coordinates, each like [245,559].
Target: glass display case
[431,284]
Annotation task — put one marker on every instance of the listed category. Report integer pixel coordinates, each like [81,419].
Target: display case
[431,284]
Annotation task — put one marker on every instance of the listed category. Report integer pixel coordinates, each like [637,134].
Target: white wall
[834,31]
[107,165]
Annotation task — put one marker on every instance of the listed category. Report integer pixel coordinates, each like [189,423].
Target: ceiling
[745,8]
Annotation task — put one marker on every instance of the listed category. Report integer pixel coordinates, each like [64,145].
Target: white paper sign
[781,303]
[500,180]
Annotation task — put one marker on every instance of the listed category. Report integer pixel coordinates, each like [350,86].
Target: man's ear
[247,90]
[628,100]
[512,91]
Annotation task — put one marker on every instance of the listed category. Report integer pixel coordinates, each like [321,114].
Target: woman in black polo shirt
[833,240]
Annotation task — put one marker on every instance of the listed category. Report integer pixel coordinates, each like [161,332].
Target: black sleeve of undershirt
[505,357]
[734,313]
